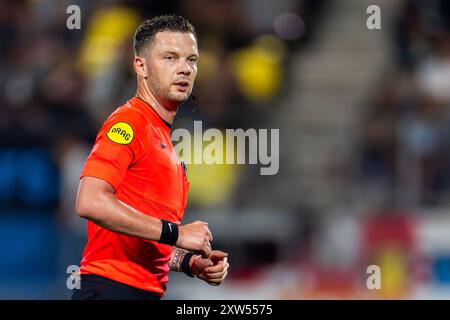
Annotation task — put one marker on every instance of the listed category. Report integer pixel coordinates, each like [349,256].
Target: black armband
[169,233]
[185,264]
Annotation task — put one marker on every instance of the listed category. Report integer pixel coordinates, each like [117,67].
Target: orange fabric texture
[134,153]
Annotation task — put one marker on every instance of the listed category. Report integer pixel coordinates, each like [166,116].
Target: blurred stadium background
[364,142]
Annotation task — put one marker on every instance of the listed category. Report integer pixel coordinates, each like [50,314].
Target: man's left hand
[213,270]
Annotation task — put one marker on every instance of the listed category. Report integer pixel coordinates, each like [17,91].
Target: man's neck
[166,114]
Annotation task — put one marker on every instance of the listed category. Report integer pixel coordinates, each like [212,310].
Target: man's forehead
[173,40]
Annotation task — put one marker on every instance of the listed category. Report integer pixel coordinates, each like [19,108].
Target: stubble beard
[176,98]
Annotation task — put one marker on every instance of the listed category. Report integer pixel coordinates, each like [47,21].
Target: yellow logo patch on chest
[121,133]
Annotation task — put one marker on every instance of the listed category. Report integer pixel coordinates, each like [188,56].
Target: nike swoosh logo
[170,227]
[163,145]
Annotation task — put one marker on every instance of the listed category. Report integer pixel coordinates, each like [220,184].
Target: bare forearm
[112,214]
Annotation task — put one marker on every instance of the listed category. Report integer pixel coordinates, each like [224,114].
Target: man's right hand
[195,237]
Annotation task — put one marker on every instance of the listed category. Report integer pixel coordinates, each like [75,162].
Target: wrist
[186,264]
[191,260]
[169,233]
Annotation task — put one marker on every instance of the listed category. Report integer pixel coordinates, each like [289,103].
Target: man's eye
[194,60]
[170,57]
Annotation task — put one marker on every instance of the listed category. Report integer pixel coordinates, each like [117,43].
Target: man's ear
[140,67]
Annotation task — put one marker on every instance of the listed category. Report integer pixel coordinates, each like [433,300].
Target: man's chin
[179,97]
[176,100]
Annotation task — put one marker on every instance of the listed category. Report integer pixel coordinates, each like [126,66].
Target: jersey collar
[143,104]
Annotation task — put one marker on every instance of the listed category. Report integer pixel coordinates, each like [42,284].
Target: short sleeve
[119,143]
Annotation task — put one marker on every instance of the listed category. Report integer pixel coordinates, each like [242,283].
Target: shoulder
[125,124]
[128,112]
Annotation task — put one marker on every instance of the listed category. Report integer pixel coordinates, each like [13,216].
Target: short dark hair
[146,32]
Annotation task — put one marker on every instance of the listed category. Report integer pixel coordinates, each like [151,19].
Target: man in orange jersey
[133,189]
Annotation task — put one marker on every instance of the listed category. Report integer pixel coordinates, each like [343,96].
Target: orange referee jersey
[134,153]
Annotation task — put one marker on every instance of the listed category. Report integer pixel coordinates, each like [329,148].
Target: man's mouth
[182,85]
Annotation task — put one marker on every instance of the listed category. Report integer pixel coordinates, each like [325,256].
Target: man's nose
[184,68]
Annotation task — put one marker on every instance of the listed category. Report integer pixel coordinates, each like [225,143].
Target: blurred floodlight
[289,26]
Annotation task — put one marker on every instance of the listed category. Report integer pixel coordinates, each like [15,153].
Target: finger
[215,268]
[218,255]
[214,282]
[201,277]
[201,264]
[215,275]
[206,252]
[209,248]
[209,234]
[224,275]
[225,271]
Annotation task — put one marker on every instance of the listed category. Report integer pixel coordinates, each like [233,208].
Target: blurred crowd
[405,141]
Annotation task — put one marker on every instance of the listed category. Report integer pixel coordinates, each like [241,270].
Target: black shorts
[94,287]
